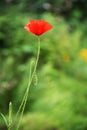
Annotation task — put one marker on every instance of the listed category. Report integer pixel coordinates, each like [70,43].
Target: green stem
[24,95]
[10,116]
[28,88]
[23,100]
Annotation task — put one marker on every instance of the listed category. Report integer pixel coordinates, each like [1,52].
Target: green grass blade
[4,118]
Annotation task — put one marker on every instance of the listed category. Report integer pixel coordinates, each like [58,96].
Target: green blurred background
[59,101]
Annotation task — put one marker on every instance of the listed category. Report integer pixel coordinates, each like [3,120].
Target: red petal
[38,27]
[27,28]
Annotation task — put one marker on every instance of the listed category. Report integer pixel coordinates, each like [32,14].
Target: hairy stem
[23,104]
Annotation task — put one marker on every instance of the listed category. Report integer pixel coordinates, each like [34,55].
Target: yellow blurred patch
[83,54]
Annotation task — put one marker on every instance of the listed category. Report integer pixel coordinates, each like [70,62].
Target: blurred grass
[59,99]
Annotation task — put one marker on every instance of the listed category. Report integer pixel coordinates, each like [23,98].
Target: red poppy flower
[38,27]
